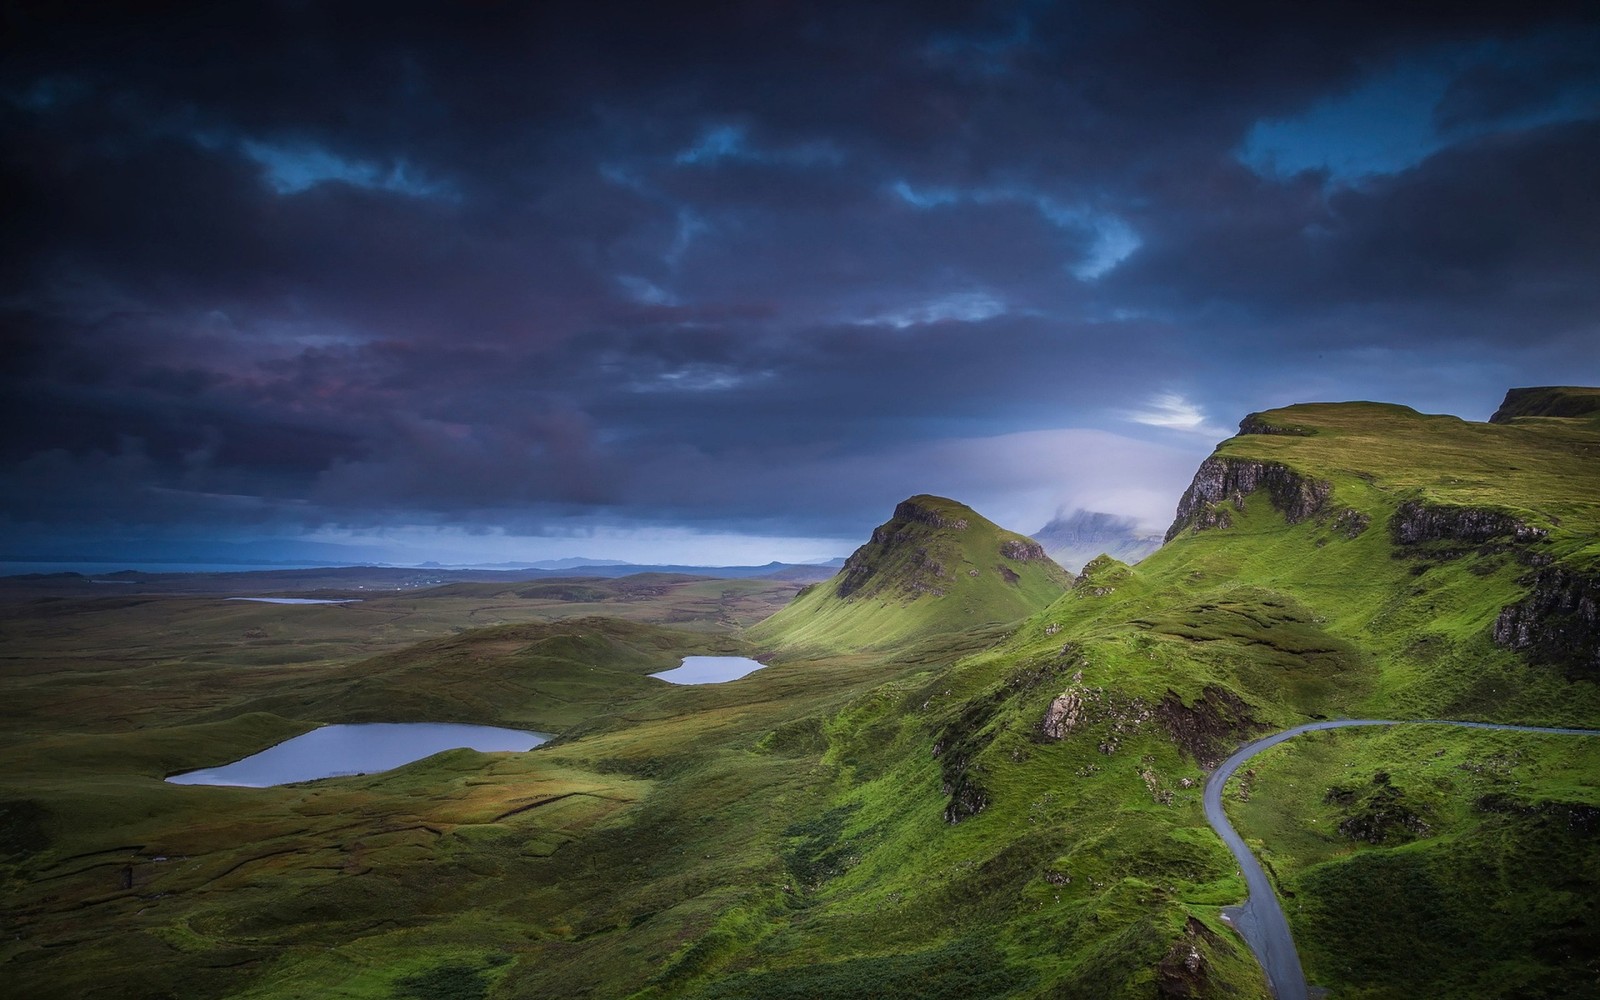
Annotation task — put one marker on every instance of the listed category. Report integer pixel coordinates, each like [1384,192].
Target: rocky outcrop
[957,747]
[1351,523]
[1416,522]
[1065,712]
[1218,721]
[1378,813]
[1578,817]
[925,576]
[911,510]
[1558,623]
[1221,478]
[1257,423]
[1548,401]
[1184,972]
[1023,550]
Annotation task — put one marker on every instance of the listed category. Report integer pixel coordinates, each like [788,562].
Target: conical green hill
[935,566]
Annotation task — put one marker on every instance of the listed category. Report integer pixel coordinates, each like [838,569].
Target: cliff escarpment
[1415,523]
[1225,479]
[1558,623]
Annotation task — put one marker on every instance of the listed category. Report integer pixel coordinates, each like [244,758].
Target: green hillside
[936,566]
[944,785]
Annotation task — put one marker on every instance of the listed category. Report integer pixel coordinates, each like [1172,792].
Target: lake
[710,670]
[361,748]
[292,600]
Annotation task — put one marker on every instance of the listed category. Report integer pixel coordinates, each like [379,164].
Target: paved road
[1260,920]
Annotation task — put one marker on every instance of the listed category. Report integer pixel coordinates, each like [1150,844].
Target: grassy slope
[1297,621]
[918,579]
[1426,861]
[788,834]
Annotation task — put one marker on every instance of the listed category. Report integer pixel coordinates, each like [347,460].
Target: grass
[1490,892]
[936,567]
[815,828]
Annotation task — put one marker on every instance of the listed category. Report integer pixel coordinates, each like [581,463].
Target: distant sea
[101,569]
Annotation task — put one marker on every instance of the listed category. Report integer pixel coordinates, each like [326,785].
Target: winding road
[1259,919]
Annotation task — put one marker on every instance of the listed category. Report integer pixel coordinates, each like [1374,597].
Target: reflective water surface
[363,748]
[297,600]
[710,669]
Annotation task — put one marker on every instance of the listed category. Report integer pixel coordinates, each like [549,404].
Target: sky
[721,283]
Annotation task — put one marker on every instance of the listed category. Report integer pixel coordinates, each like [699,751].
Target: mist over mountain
[1074,539]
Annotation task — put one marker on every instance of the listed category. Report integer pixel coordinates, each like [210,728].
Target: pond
[297,600]
[361,748]
[710,670]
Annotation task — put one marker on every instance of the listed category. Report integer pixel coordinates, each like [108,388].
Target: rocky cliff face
[1221,478]
[914,510]
[1548,401]
[1257,423]
[1020,550]
[1558,623]
[1415,522]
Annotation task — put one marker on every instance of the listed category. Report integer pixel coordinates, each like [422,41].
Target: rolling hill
[963,774]
[935,566]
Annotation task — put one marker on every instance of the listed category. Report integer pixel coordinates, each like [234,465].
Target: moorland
[964,772]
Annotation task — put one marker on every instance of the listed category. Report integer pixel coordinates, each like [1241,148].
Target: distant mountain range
[1074,539]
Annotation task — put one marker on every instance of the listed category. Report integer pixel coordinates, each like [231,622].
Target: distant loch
[298,600]
[359,748]
[710,670]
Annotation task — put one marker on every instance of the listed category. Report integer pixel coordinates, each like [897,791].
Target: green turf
[880,809]
[936,566]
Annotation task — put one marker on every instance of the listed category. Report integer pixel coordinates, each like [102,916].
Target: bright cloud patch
[1173,412]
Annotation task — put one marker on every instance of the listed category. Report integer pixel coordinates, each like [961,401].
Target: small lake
[361,748]
[710,670]
[295,600]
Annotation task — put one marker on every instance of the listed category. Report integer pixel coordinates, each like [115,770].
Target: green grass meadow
[880,812]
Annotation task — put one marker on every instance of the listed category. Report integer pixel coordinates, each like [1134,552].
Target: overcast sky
[483,281]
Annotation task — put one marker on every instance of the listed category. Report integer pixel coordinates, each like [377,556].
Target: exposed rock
[1184,972]
[1023,550]
[1415,522]
[911,510]
[1579,817]
[1221,478]
[1257,423]
[966,799]
[1558,623]
[1381,815]
[1547,401]
[1101,576]
[1064,713]
[1351,523]
[1079,707]
[1210,730]
[957,747]
[1246,784]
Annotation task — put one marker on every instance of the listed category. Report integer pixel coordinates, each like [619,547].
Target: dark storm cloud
[750,266]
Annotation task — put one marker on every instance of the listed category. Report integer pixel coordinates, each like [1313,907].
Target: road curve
[1260,919]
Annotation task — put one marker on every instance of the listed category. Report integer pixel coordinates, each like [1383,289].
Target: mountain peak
[936,565]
